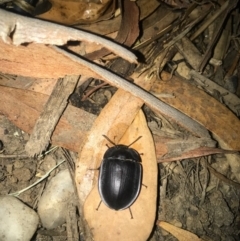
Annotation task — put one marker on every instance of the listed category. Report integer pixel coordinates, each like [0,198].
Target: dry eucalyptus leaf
[180,234]
[108,224]
[202,108]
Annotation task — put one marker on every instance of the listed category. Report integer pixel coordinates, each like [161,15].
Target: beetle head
[123,153]
[121,145]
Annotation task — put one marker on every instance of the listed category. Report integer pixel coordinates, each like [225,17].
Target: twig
[189,51]
[35,183]
[184,32]
[93,90]
[207,55]
[47,152]
[163,189]
[71,220]
[204,187]
[210,20]
[19,156]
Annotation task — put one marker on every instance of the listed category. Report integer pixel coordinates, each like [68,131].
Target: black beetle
[29,7]
[120,176]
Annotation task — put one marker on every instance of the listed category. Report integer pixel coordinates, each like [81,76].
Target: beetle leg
[130,212]
[93,169]
[144,185]
[99,205]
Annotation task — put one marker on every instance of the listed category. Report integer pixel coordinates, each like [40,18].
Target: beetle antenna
[115,143]
[109,140]
[135,141]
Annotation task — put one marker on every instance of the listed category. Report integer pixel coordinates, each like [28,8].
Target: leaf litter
[198,181]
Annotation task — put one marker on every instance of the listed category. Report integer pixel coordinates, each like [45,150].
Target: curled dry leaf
[108,224]
[180,234]
[74,12]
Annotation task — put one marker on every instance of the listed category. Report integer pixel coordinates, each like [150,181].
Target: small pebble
[176,223]
[23,174]
[18,221]
[52,206]
[2,175]
[18,164]
[11,180]
[48,163]
[9,168]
